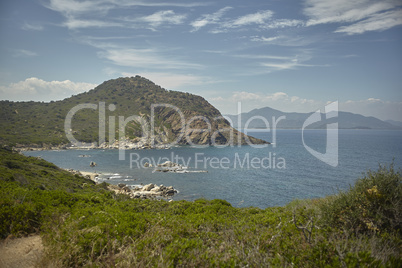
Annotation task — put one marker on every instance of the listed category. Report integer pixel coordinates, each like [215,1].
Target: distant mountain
[345,120]
[38,123]
[395,123]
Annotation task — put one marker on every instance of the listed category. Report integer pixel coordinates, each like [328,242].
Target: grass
[84,225]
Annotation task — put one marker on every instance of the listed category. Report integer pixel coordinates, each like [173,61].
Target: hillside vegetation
[41,124]
[83,224]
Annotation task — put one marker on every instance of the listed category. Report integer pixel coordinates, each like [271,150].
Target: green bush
[374,204]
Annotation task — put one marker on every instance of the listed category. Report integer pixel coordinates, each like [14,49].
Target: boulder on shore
[148,187]
[147,191]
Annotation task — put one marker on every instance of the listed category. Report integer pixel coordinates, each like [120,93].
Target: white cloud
[154,20]
[384,110]
[32,27]
[260,17]
[263,19]
[24,53]
[94,13]
[377,22]
[278,63]
[73,23]
[173,81]
[282,23]
[286,40]
[289,65]
[144,58]
[74,7]
[361,15]
[265,39]
[206,19]
[39,90]
[164,16]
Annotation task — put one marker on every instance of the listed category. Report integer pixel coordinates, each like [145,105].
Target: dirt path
[20,252]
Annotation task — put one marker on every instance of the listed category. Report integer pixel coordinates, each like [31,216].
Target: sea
[292,167]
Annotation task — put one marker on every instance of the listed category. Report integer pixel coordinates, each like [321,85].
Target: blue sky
[286,54]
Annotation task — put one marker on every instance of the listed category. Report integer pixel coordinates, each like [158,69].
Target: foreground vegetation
[83,224]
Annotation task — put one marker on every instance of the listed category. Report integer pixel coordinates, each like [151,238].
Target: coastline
[91,175]
[149,191]
[87,174]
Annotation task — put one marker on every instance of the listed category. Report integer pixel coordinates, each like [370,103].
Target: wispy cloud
[260,17]
[271,63]
[152,21]
[32,27]
[24,53]
[377,22]
[288,65]
[384,110]
[264,19]
[93,13]
[171,80]
[69,7]
[74,7]
[144,58]
[362,15]
[40,90]
[164,16]
[283,23]
[285,40]
[206,19]
[264,57]
[73,23]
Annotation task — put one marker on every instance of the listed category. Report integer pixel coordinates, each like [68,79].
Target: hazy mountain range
[345,120]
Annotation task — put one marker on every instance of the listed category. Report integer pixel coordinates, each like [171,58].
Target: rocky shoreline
[126,145]
[139,143]
[149,191]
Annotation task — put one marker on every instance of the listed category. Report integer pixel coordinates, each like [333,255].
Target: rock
[148,187]
[156,189]
[169,192]
[167,164]
[136,195]
[121,185]
[126,189]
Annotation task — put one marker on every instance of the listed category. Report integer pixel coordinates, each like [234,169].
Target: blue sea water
[247,176]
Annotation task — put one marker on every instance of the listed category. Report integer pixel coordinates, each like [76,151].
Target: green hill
[42,124]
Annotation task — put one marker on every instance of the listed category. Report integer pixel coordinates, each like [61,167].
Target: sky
[295,56]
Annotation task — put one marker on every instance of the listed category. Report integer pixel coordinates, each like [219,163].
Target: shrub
[372,205]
